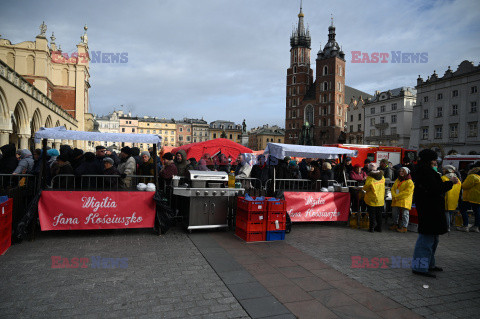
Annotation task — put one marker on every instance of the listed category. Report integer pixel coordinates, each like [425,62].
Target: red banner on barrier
[317,207]
[64,210]
[5,225]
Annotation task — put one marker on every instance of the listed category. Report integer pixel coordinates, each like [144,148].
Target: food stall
[307,206]
[97,209]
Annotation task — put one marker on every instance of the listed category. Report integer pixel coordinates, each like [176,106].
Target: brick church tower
[315,110]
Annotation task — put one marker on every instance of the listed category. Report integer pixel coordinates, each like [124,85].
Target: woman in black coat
[429,197]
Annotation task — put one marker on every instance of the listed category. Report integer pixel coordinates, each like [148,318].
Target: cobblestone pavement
[166,277]
[455,293]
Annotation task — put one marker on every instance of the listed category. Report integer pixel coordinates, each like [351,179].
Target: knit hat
[147,153]
[407,170]
[449,168]
[427,155]
[53,152]
[127,150]
[372,167]
[109,160]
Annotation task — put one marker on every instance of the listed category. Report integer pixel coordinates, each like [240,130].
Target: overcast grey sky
[227,59]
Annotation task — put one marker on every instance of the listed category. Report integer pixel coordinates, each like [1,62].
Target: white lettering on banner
[91,202]
[96,219]
[311,213]
[64,220]
[314,202]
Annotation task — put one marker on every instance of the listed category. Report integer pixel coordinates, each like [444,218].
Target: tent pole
[155,171]
[43,167]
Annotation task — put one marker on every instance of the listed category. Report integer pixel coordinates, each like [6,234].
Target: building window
[438,132]
[439,111]
[382,119]
[382,108]
[454,109]
[359,127]
[394,118]
[425,133]
[372,121]
[394,106]
[454,93]
[473,107]
[473,89]
[453,130]
[425,114]
[372,110]
[372,132]
[439,96]
[472,129]
[425,99]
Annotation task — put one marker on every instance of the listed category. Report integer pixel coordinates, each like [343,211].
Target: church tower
[330,92]
[299,80]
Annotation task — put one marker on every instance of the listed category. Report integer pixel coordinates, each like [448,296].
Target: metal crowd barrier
[97,182]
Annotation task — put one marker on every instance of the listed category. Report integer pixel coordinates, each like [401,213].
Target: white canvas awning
[279,150]
[61,133]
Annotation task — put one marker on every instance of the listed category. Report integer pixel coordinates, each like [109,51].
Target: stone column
[23,141]
[4,137]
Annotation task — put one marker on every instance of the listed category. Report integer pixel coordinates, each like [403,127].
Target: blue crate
[275,235]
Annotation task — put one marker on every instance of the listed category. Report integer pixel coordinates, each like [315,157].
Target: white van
[460,161]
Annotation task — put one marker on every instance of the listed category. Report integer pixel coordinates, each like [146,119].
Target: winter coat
[243,171]
[262,173]
[111,182]
[453,195]
[387,172]
[359,177]
[471,186]
[429,197]
[127,167]
[9,161]
[63,181]
[402,193]
[25,166]
[182,166]
[375,189]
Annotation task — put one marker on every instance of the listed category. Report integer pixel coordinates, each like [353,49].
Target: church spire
[300,37]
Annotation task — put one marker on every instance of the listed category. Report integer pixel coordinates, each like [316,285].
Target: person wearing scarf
[402,195]
[429,196]
[453,195]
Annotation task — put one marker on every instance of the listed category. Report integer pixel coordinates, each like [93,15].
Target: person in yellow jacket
[402,195]
[374,189]
[453,195]
[471,199]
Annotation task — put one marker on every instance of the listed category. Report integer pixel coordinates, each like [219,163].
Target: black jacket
[429,195]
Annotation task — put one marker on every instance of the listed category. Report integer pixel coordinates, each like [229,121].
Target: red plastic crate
[252,216]
[250,236]
[247,226]
[271,225]
[276,206]
[251,206]
[280,216]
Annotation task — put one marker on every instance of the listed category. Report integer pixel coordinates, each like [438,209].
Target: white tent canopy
[61,133]
[279,150]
